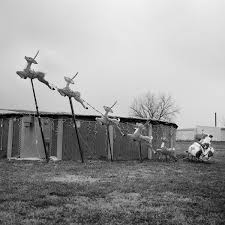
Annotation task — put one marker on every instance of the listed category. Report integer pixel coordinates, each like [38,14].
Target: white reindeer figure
[105,120]
[66,91]
[28,73]
[164,151]
[137,135]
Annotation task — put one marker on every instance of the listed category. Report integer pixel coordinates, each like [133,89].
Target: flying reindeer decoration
[106,121]
[137,136]
[28,73]
[66,91]
[165,151]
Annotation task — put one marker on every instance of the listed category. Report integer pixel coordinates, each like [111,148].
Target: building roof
[186,129]
[19,113]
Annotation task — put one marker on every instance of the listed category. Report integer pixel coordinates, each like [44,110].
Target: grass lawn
[99,192]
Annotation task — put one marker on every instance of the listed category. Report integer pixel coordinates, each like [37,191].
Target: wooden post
[110,141]
[59,139]
[10,139]
[150,148]
[76,131]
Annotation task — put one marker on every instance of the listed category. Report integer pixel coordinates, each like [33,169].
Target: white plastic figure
[28,73]
[105,120]
[201,150]
[66,91]
[137,135]
[167,152]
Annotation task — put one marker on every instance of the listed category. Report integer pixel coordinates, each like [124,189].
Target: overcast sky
[121,49]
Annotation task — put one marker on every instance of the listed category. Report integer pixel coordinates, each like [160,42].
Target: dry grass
[101,192]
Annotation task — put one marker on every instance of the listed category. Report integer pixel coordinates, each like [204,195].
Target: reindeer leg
[80,101]
[42,79]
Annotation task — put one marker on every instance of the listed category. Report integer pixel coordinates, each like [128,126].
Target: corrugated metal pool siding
[4,127]
[173,132]
[162,130]
[70,150]
[100,144]
[86,136]
[16,138]
[167,135]
[92,139]
[157,133]
[5,134]
[125,148]
[54,127]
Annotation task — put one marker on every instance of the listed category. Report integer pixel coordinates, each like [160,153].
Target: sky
[121,49]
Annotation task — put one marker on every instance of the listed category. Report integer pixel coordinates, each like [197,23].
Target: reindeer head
[107,109]
[69,80]
[30,60]
[140,127]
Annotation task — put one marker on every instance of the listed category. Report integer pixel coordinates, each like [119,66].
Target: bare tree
[151,106]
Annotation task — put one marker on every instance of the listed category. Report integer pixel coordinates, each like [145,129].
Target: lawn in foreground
[101,192]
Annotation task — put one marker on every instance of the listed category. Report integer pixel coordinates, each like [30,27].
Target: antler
[113,104]
[74,75]
[36,54]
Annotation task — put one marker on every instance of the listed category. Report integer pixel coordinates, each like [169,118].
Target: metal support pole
[110,149]
[39,121]
[76,131]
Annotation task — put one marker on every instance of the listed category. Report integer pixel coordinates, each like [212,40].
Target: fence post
[59,139]
[172,137]
[10,139]
[150,134]
[111,142]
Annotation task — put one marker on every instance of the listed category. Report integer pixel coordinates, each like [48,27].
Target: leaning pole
[76,130]
[28,73]
[40,124]
[106,121]
[108,138]
[67,92]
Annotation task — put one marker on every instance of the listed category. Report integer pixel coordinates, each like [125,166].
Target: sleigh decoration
[197,152]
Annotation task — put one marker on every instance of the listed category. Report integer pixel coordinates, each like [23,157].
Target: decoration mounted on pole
[28,73]
[66,91]
[106,121]
[137,136]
